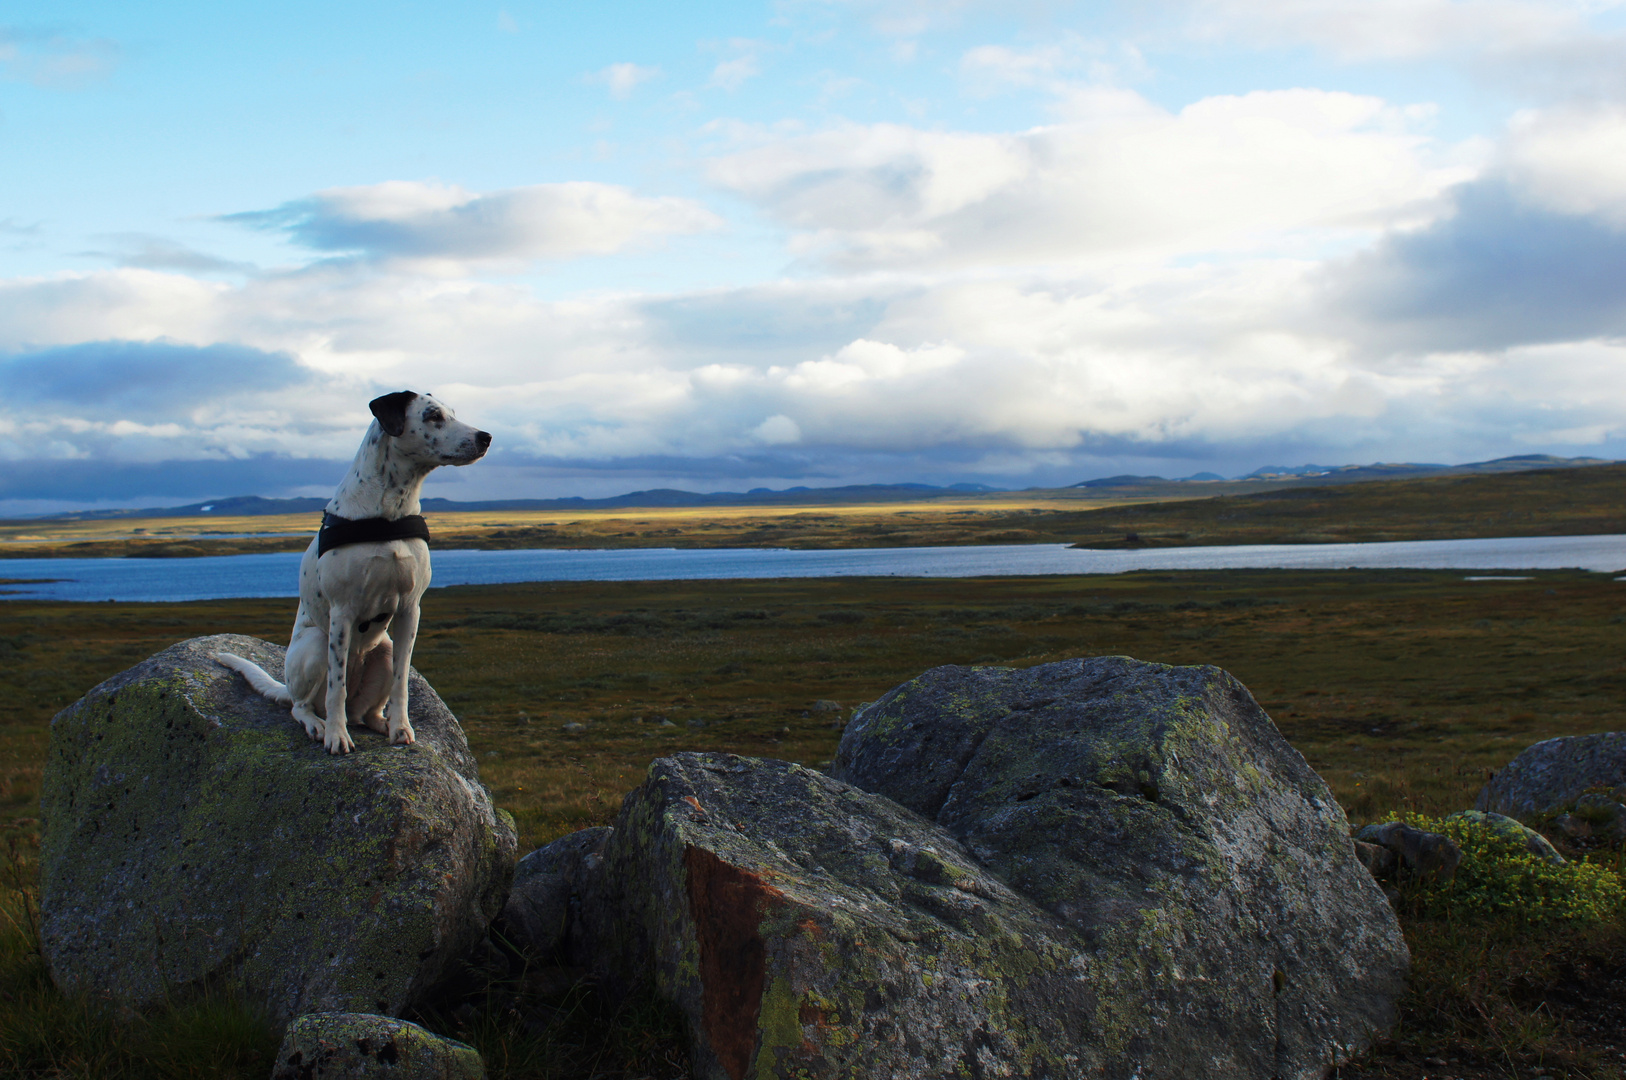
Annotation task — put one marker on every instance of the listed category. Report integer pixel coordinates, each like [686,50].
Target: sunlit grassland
[988,519]
[1402,688]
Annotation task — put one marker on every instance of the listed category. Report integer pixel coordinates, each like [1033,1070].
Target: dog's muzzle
[472,453]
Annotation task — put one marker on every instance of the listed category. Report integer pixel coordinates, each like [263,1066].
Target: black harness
[339,531]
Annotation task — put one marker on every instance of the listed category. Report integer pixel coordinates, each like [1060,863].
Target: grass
[1542,502]
[1402,688]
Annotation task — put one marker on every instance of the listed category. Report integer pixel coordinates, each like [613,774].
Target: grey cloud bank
[1496,273]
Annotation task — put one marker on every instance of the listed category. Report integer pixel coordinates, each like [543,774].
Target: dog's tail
[257,677]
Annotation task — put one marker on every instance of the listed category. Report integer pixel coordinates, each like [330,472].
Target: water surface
[224,576]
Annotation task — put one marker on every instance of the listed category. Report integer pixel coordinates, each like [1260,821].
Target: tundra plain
[1404,689]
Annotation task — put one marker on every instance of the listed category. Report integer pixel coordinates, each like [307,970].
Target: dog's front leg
[403,631]
[337,738]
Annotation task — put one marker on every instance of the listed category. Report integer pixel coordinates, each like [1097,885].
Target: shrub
[1499,876]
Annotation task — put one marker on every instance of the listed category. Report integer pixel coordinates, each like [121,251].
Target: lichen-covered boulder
[809,929]
[364,1046]
[1204,869]
[1555,772]
[192,836]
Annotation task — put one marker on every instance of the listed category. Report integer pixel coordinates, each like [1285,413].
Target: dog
[362,577]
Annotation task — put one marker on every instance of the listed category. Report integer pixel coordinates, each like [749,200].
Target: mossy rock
[1513,831]
[1553,773]
[363,1046]
[1203,869]
[192,837]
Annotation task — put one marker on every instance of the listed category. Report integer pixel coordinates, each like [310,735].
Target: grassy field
[1545,502]
[1402,688]
[983,520]
[1548,502]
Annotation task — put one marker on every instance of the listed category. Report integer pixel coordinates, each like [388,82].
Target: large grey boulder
[192,837]
[1202,866]
[1095,868]
[1556,772]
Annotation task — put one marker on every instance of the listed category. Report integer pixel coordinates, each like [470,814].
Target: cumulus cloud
[1052,323]
[1122,177]
[1570,160]
[1498,272]
[1017,379]
[623,79]
[1531,252]
[445,225]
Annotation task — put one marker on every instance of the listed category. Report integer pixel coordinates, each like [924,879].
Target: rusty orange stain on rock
[728,905]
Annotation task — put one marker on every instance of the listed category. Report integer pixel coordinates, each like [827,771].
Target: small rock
[573,726]
[1378,860]
[1602,813]
[825,705]
[667,723]
[538,918]
[1502,825]
[696,722]
[363,1046]
[1572,826]
[1429,856]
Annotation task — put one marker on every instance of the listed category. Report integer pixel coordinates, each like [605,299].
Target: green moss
[1498,875]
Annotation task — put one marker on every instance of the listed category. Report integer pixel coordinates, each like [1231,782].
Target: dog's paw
[403,735]
[343,744]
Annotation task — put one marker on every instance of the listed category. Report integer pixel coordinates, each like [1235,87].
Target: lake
[227,576]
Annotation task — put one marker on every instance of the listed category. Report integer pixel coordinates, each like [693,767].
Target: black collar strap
[338,531]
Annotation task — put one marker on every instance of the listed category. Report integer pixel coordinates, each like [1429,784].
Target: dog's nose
[482,439]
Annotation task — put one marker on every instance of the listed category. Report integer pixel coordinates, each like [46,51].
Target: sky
[740,244]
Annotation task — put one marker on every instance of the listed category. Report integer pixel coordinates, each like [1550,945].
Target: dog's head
[426,431]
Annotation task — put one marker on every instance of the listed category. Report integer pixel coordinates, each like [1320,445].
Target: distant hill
[1344,474]
[255,505]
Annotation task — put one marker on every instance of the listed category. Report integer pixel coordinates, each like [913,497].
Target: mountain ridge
[1260,479]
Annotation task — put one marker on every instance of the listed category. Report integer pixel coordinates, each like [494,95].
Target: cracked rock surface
[1095,868]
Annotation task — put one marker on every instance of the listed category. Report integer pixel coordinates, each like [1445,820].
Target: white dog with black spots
[362,578]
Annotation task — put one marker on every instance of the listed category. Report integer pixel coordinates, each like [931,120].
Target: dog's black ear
[391,410]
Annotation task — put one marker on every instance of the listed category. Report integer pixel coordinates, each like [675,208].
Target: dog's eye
[433,416]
